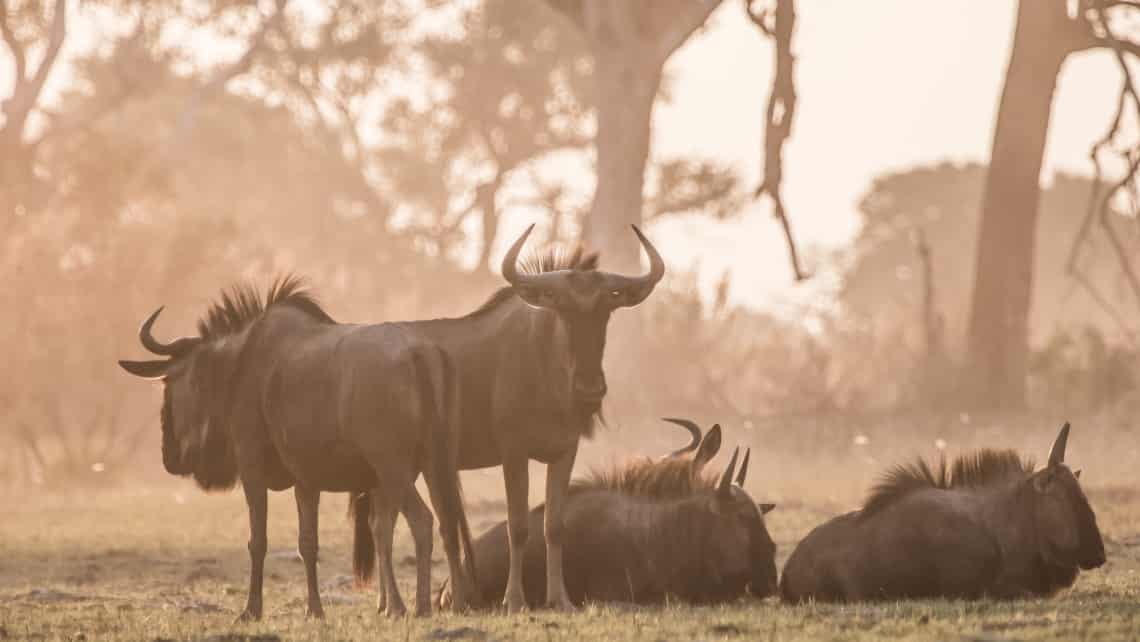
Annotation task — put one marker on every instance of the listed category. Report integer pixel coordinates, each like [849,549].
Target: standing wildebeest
[529,364]
[987,526]
[275,394]
[647,530]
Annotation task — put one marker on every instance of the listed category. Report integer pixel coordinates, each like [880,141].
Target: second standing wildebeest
[648,530]
[986,526]
[276,394]
[529,362]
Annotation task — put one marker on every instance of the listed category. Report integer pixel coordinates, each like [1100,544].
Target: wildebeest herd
[272,392]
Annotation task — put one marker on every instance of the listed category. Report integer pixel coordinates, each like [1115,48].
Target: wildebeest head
[196,374]
[1065,524]
[741,544]
[193,385]
[583,300]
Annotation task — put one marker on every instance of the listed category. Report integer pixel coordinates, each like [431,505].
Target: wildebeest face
[190,388]
[1065,522]
[746,550]
[583,301]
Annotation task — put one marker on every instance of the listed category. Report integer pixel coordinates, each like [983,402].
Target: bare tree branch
[27,90]
[779,115]
[686,18]
[15,47]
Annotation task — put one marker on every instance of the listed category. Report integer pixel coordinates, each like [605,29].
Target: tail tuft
[363,547]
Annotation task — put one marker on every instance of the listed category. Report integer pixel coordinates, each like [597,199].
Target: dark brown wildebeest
[987,526]
[529,364]
[274,393]
[647,530]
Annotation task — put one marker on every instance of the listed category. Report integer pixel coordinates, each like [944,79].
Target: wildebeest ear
[1077,473]
[146,369]
[710,446]
[765,508]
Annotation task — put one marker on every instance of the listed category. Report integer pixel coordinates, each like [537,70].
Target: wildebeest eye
[616,293]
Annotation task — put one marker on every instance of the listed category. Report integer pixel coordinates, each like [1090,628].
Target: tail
[363,547]
[444,472]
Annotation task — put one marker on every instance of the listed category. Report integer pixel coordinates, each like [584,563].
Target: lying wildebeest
[986,526]
[647,530]
[529,364]
[274,393]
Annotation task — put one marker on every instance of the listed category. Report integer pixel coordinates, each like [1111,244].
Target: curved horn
[694,433]
[725,485]
[656,263]
[510,261]
[174,348]
[743,474]
[1057,452]
[631,290]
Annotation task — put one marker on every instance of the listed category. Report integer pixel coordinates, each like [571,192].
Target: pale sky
[882,85]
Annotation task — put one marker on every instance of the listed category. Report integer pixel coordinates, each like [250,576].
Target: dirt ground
[166,561]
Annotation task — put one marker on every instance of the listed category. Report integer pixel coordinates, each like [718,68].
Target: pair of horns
[632,290]
[173,349]
[725,485]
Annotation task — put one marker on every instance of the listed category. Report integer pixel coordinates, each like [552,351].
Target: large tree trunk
[1003,277]
[626,88]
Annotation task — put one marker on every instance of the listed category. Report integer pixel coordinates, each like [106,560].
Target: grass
[169,562]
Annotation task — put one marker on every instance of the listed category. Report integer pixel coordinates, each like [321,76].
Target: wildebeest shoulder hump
[974,469]
[647,478]
[242,304]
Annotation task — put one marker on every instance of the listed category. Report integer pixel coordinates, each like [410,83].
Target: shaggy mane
[971,470]
[242,304]
[663,479]
[551,259]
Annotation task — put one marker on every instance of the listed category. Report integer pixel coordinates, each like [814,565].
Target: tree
[630,43]
[1045,35]
[882,283]
[505,91]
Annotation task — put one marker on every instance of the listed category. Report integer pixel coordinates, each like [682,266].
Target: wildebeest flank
[276,394]
[647,530]
[988,525]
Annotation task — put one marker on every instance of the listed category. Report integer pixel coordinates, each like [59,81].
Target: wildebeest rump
[529,363]
[648,530]
[276,394]
[987,525]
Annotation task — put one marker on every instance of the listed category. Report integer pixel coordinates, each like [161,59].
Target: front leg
[308,504]
[515,474]
[257,501]
[557,485]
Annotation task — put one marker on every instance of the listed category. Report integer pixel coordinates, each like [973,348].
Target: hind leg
[459,583]
[308,503]
[420,522]
[385,508]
